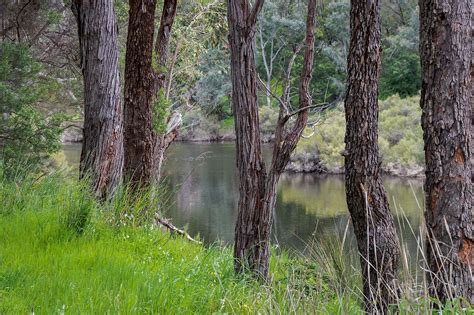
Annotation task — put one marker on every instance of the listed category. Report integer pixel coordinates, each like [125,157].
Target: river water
[203,187]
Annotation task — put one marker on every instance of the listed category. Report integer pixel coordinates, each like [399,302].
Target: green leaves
[160,113]
[28,135]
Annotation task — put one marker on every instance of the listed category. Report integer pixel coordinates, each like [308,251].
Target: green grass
[63,252]
[60,251]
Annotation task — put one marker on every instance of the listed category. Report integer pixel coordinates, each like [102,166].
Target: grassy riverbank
[62,252]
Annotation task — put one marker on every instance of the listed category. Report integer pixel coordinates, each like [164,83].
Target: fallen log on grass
[173,229]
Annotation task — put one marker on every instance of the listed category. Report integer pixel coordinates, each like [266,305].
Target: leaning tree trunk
[446,100]
[102,148]
[257,189]
[168,132]
[147,134]
[373,222]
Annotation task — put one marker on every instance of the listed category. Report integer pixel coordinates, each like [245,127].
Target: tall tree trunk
[139,92]
[146,132]
[446,100]
[366,198]
[251,248]
[102,148]
[257,189]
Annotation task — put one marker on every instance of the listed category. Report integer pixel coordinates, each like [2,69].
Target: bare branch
[272,58]
[32,41]
[321,106]
[263,86]
[71,126]
[17,19]
[287,81]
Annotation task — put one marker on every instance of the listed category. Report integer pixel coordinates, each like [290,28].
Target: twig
[322,107]
[263,86]
[71,126]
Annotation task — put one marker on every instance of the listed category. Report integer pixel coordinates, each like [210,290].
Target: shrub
[400,127]
[197,125]
[400,134]
[28,135]
[328,139]
[268,119]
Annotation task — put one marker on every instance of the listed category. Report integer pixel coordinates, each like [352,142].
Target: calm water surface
[204,194]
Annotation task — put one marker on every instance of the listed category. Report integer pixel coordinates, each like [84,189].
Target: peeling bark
[373,222]
[447,104]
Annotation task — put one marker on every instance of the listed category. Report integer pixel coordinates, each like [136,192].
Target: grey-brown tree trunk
[257,189]
[144,79]
[373,222]
[102,148]
[446,100]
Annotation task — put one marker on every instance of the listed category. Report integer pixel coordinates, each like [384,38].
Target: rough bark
[145,144]
[257,189]
[366,198]
[249,251]
[139,92]
[446,100]
[102,148]
[163,41]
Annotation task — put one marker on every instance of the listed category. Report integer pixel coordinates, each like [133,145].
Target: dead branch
[321,107]
[263,86]
[287,80]
[173,229]
[173,125]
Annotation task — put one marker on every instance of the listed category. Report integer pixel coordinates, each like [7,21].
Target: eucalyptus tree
[213,89]
[366,198]
[401,72]
[447,102]
[257,188]
[102,148]
[278,29]
[200,27]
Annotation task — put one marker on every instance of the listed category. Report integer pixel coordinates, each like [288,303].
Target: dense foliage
[400,134]
[64,252]
[29,133]
[401,61]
